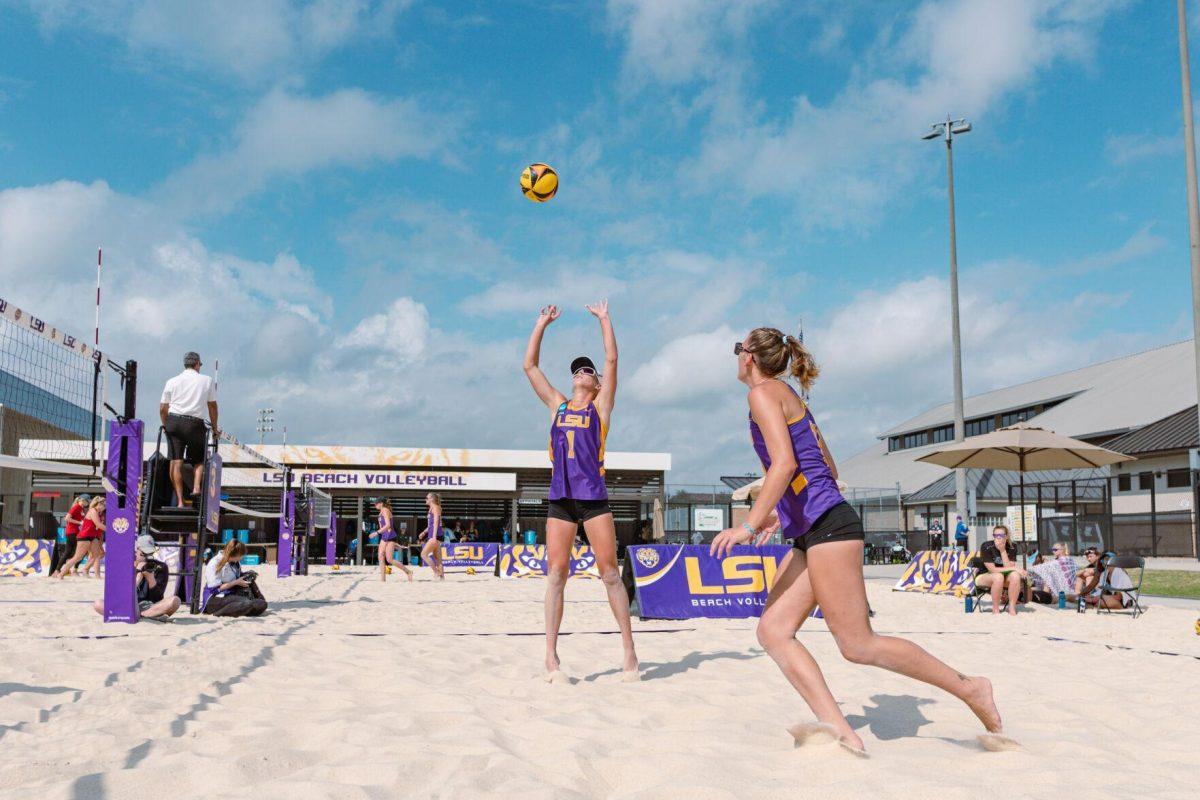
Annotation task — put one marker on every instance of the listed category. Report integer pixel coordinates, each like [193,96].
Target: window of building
[1013,417]
[916,439]
[977,427]
[1124,482]
[943,434]
[893,444]
[1178,479]
[1145,481]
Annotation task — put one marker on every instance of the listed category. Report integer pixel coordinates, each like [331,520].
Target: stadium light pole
[1189,142]
[266,419]
[947,131]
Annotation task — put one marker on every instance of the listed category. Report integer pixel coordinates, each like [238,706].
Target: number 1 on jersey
[570,444]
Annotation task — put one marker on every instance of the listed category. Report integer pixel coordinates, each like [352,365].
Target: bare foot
[978,698]
[631,662]
[552,663]
[808,734]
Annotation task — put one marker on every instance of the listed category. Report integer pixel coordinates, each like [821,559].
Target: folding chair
[1125,563]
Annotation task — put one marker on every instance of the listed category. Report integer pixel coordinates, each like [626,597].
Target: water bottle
[1062,599]
[970,604]
[1080,606]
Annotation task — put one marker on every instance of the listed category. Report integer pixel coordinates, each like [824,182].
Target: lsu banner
[529,561]
[937,572]
[479,555]
[21,557]
[684,581]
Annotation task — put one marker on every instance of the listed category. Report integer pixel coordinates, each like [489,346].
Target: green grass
[1172,582]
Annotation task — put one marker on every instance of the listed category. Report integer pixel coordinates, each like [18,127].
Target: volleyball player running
[577,492]
[825,567]
[431,551]
[387,541]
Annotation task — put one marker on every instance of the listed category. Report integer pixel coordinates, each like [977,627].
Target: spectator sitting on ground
[184,399]
[228,592]
[1000,570]
[1103,574]
[151,580]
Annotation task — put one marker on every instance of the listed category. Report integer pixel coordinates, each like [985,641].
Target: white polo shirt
[189,393]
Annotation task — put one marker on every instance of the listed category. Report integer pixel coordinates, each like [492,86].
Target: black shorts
[839,524]
[186,437]
[577,511]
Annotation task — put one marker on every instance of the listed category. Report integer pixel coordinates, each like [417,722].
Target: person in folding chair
[1110,587]
[1000,571]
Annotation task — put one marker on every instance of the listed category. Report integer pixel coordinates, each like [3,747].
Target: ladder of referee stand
[185,525]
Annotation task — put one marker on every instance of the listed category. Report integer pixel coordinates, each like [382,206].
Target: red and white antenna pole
[99,262]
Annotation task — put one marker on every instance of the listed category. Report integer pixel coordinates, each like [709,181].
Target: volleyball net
[54,406]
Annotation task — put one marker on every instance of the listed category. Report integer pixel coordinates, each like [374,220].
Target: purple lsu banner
[529,561]
[21,557]
[684,581]
[478,555]
[937,572]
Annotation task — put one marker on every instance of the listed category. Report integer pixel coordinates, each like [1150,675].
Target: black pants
[237,605]
[185,438]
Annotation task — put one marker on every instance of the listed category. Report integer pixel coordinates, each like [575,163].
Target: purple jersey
[812,490]
[431,527]
[577,454]
[386,532]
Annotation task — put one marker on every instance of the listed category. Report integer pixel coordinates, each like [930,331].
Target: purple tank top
[577,454]
[386,532]
[812,490]
[431,527]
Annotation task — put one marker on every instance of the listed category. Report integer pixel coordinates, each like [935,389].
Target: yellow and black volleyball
[539,182]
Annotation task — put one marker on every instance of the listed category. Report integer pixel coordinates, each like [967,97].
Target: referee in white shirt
[184,400]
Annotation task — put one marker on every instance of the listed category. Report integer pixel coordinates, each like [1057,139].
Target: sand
[355,689]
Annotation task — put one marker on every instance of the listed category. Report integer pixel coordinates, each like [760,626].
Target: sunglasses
[999,535]
[739,348]
[1090,553]
[584,371]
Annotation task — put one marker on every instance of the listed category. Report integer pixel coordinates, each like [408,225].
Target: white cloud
[256,42]
[1130,148]
[570,288]
[843,160]
[400,331]
[1140,245]
[286,135]
[687,368]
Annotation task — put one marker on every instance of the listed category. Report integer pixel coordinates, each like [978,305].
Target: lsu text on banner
[479,555]
[684,581]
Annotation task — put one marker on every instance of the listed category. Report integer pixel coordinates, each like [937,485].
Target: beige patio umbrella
[747,492]
[1023,448]
[658,531]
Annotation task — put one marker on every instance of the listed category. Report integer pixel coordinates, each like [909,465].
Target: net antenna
[257,456]
[52,387]
[800,339]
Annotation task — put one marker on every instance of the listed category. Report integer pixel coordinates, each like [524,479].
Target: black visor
[580,363]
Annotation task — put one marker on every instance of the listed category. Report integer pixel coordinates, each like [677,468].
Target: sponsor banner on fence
[21,557]
[684,581]
[937,572]
[480,555]
[382,480]
[529,561]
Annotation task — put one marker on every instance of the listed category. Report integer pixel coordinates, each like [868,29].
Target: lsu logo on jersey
[567,419]
[747,574]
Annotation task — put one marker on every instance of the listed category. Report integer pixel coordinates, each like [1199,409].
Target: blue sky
[324,196]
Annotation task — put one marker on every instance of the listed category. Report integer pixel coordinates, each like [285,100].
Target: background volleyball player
[577,492]
[387,541]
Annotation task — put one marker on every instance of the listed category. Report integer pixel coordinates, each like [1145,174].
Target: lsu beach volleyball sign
[529,561]
[378,479]
[479,555]
[684,581]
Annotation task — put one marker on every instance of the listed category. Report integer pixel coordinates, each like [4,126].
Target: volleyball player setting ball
[799,496]
[578,427]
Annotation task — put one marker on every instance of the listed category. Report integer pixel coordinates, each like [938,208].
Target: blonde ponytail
[776,353]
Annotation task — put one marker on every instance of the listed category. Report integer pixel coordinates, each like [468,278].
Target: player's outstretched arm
[533,351]
[608,384]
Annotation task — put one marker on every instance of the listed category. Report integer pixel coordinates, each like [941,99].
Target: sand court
[352,688]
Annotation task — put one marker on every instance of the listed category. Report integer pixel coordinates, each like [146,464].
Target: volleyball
[539,182]
[471,571]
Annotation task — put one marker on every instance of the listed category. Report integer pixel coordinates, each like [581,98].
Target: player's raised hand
[548,314]
[599,310]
